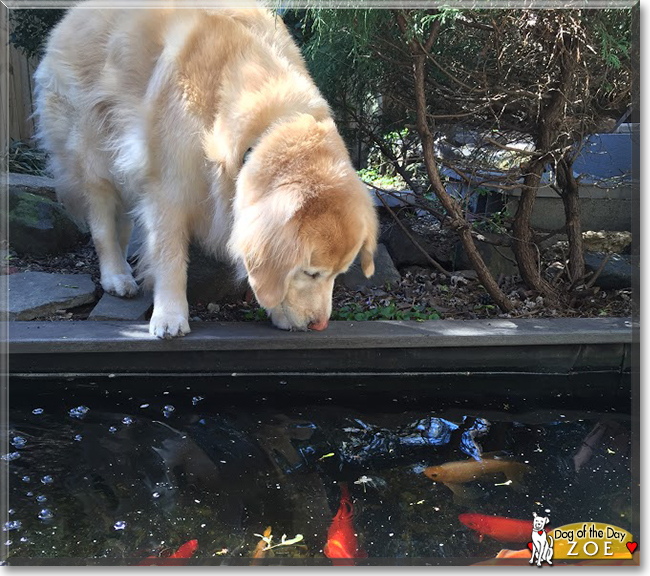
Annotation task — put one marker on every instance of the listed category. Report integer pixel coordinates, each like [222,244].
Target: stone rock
[385,272]
[212,280]
[39,226]
[208,279]
[616,274]
[113,308]
[498,259]
[33,294]
[404,253]
[606,241]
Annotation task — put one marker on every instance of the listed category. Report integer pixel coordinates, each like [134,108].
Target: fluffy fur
[150,113]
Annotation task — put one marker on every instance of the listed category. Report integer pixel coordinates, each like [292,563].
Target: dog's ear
[269,283]
[546,521]
[369,246]
[534,514]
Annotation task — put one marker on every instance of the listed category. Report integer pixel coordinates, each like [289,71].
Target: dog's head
[539,521]
[301,216]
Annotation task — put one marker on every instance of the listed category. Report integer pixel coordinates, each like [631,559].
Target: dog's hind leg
[124,230]
[103,207]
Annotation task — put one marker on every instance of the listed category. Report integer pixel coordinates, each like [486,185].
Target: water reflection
[131,478]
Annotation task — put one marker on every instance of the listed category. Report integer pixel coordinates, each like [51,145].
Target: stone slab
[33,294]
[111,307]
[35,184]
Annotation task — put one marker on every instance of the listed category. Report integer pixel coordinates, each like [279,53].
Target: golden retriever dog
[203,125]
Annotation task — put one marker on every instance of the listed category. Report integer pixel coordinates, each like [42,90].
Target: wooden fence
[16,88]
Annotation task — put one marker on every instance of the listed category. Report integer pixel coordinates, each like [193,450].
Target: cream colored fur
[148,114]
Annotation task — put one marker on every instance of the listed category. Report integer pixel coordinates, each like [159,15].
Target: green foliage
[359,313]
[256,315]
[390,312]
[612,31]
[373,176]
[30,28]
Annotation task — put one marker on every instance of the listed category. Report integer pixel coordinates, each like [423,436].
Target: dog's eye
[314,275]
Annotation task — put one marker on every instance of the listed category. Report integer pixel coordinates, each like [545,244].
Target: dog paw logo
[541,546]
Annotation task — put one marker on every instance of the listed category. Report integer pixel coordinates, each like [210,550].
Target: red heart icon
[541,532]
[631,546]
[530,545]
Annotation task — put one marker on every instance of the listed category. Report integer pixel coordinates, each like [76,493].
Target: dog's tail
[550,540]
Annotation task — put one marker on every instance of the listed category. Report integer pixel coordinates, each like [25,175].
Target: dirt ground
[455,297]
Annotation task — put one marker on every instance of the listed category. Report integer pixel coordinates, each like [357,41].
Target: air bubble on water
[79,412]
[47,479]
[156,494]
[119,525]
[127,420]
[12,525]
[112,429]
[8,543]
[29,494]
[23,539]
[19,442]
[26,478]
[167,410]
[45,514]
[11,456]
[78,437]
[11,511]
[197,399]
[38,411]
[41,498]
[144,405]
[547,510]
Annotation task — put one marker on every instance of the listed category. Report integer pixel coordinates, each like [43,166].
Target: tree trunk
[571,200]
[547,140]
[523,245]
[457,220]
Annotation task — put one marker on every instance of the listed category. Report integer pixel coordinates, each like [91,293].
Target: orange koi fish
[498,527]
[260,553]
[455,474]
[178,558]
[342,544]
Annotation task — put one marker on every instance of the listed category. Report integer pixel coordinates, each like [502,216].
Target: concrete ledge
[76,337]
[547,346]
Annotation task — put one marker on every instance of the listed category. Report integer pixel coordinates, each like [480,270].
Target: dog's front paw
[122,285]
[168,325]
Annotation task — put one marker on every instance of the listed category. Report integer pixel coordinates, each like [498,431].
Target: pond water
[117,470]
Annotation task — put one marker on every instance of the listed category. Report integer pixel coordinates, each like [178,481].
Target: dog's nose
[319,325]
